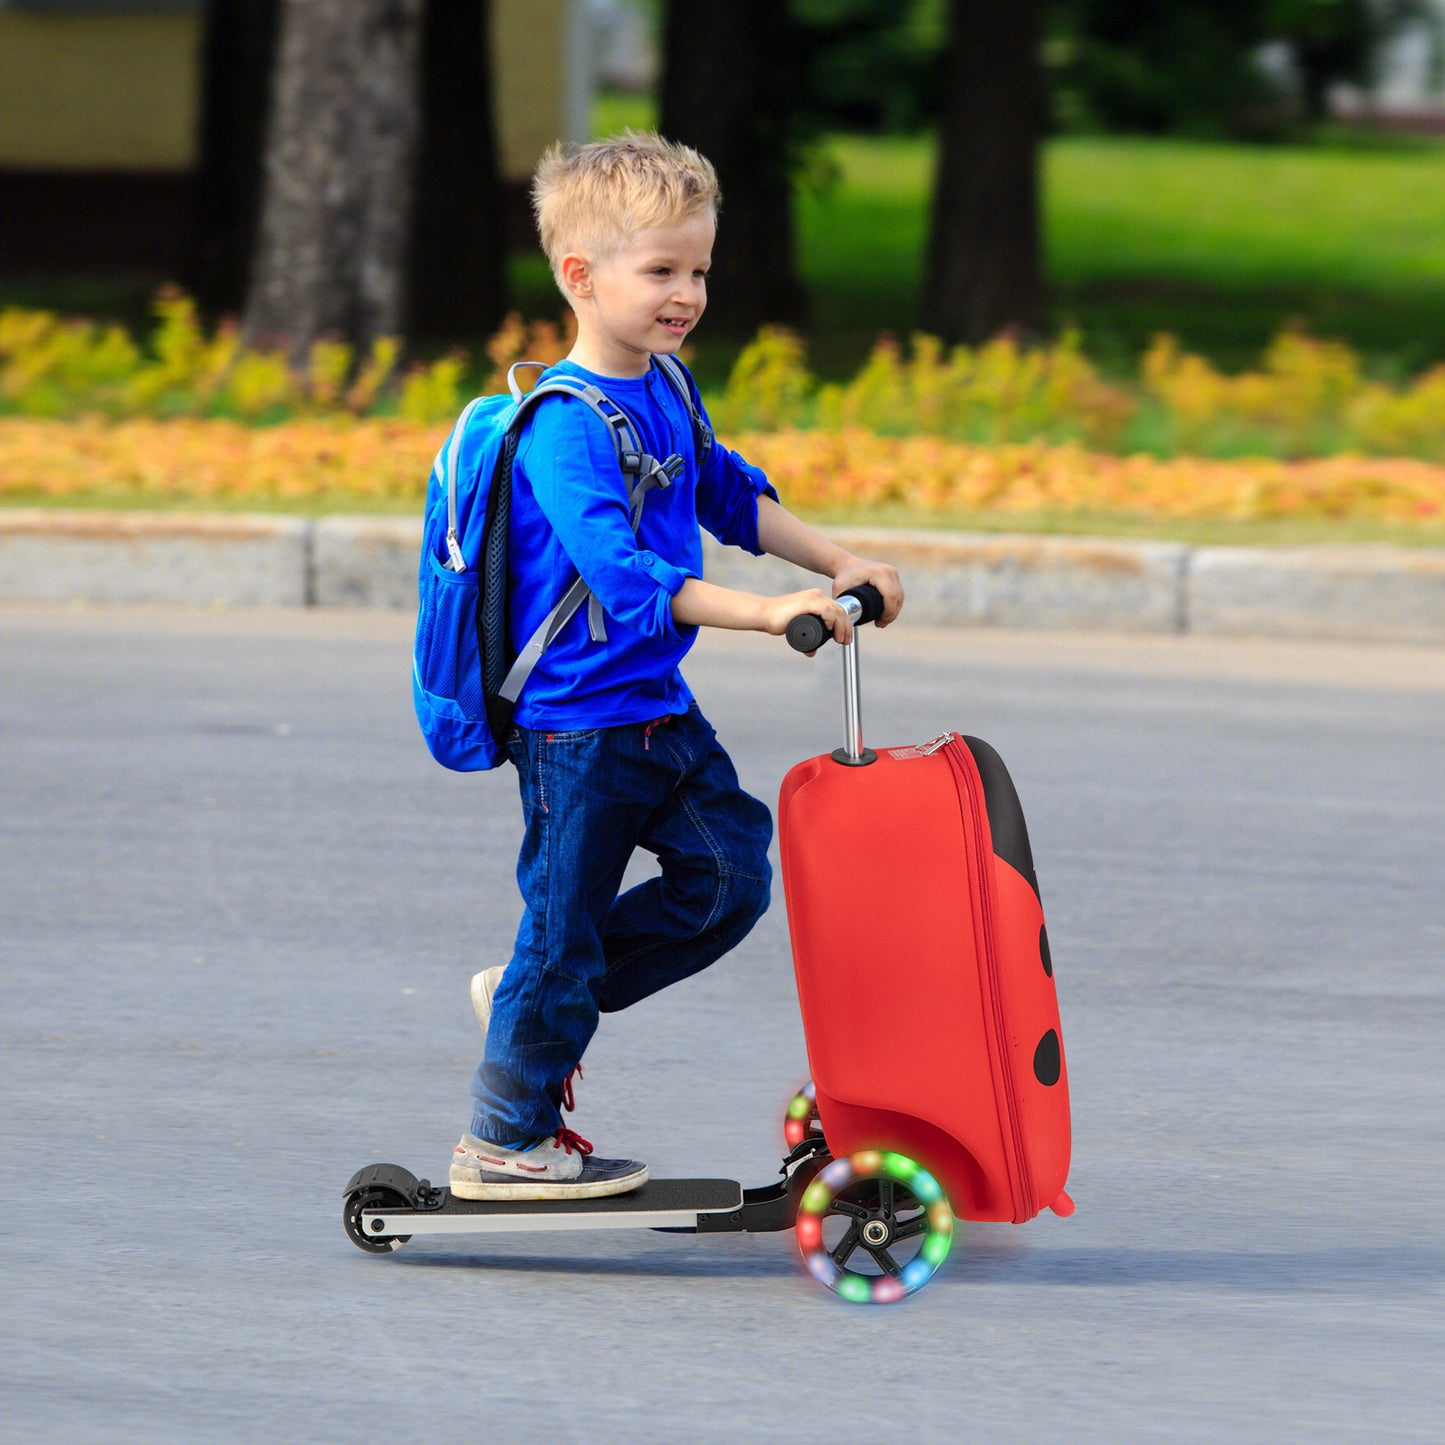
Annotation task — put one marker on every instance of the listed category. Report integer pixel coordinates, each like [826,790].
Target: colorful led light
[816,1197]
[818,1201]
[810,1231]
[901,1167]
[935,1248]
[802,1116]
[925,1187]
[887,1290]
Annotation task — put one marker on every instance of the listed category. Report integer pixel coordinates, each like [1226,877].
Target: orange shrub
[385,462]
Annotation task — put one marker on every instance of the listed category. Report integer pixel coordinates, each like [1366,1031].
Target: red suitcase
[924,977]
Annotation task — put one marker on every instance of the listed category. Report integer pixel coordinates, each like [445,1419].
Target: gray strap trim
[454,452]
[553,623]
[651,473]
[702,433]
[619,428]
[515,386]
[541,640]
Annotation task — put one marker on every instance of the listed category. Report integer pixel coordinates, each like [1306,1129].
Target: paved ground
[238,911]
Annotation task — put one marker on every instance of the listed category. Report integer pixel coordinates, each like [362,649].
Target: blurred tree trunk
[339,159]
[238,55]
[983,257]
[729,74]
[456,254]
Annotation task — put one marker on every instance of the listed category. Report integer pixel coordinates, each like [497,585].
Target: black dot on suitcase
[1048,1061]
[1044,954]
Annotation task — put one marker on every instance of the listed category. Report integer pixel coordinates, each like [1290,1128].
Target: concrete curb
[954,579]
[207,559]
[1375,594]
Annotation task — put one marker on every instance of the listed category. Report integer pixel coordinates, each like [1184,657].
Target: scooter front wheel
[874,1227]
[801,1118]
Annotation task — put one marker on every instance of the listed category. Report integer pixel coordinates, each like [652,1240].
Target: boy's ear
[576,274]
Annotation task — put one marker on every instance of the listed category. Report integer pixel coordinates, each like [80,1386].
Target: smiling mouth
[674,323]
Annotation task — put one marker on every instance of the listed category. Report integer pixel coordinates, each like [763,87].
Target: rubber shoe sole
[596,1181]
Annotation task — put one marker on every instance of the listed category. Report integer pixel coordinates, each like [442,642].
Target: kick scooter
[876,1209]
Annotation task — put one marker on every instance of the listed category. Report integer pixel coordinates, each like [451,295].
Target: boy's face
[642,301]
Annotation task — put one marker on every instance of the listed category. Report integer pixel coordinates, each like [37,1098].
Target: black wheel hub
[356,1230]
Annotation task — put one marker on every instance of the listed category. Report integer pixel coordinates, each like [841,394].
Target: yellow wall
[84,92]
[535,59]
[92,92]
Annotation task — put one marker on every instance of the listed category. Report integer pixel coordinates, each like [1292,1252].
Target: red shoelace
[569,1099]
[569,1138]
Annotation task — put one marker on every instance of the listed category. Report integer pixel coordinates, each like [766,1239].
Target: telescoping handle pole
[807,633]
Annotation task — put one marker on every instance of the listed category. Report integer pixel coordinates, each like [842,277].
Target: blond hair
[595,198]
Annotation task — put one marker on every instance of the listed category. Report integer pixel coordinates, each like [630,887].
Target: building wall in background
[98,92]
[99,110]
[542,78]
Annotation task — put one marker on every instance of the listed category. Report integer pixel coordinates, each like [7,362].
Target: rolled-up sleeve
[728,489]
[569,463]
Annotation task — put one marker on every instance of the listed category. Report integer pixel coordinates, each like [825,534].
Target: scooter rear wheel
[376,1197]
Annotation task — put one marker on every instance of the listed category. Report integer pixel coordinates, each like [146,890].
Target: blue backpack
[465,684]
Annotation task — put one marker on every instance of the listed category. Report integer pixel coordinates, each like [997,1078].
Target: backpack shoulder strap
[642,472]
[676,373]
[625,441]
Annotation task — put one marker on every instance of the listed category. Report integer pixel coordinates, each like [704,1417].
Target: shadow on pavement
[1387,1269]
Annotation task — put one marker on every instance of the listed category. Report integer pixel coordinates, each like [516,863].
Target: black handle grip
[871,598]
[807,633]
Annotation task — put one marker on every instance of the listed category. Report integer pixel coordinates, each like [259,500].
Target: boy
[611,751]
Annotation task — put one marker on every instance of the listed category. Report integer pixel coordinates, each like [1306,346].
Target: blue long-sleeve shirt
[570,516]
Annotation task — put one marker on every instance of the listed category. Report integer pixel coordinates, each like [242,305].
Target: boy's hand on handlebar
[781,610]
[859,570]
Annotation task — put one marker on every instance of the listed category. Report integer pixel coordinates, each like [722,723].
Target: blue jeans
[589,799]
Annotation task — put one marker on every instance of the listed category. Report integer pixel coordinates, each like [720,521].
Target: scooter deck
[658,1204]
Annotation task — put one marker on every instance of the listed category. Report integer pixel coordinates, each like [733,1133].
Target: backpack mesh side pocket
[447,679]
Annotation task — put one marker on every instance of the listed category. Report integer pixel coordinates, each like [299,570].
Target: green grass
[1219,244]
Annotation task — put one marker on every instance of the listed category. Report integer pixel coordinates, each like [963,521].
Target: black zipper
[962,779]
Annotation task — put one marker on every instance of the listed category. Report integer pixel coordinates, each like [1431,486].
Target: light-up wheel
[874,1227]
[801,1119]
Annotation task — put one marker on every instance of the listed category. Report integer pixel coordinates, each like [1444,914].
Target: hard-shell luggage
[924,974]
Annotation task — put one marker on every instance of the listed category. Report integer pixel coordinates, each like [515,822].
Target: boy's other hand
[779,611]
[858,570]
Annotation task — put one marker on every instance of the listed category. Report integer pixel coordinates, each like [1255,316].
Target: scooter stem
[852,754]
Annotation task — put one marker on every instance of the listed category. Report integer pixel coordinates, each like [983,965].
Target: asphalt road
[241,907]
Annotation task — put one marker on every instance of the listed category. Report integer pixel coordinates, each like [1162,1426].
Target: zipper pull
[941,741]
[454,551]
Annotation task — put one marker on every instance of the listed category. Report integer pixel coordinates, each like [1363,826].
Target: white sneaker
[484,988]
[555,1168]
